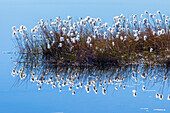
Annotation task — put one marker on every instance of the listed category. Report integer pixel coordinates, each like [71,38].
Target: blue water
[27,99]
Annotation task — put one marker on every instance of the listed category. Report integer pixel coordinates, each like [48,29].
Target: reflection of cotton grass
[104,91]
[157,95]
[68,78]
[60,89]
[168,97]
[39,88]
[160,96]
[89,42]
[70,88]
[134,93]
[87,89]
[143,88]
[124,87]
[73,92]
[13,73]
[96,91]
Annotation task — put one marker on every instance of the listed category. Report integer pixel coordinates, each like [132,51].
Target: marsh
[48,88]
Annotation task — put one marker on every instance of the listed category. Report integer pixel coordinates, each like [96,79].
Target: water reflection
[94,57]
[95,79]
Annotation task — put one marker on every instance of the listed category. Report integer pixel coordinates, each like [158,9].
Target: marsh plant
[89,42]
[90,52]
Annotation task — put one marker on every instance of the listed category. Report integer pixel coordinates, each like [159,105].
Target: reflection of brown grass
[121,76]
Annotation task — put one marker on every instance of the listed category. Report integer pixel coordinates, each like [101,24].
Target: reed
[85,52]
[88,42]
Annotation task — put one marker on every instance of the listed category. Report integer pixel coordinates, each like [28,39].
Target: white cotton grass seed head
[60,45]
[14,28]
[146,12]
[121,37]
[163,31]
[73,40]
[163,15]
[88,40]
[21,31]
[14,33]
[113,43]
[158,32]
[61,39]
[158,12]
[151,49]
[145,37]
[150,15]
[153,33]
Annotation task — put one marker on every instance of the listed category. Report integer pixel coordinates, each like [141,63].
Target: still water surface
[27,99]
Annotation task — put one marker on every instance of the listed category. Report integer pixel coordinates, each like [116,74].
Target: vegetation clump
[89,53]
[89,42]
